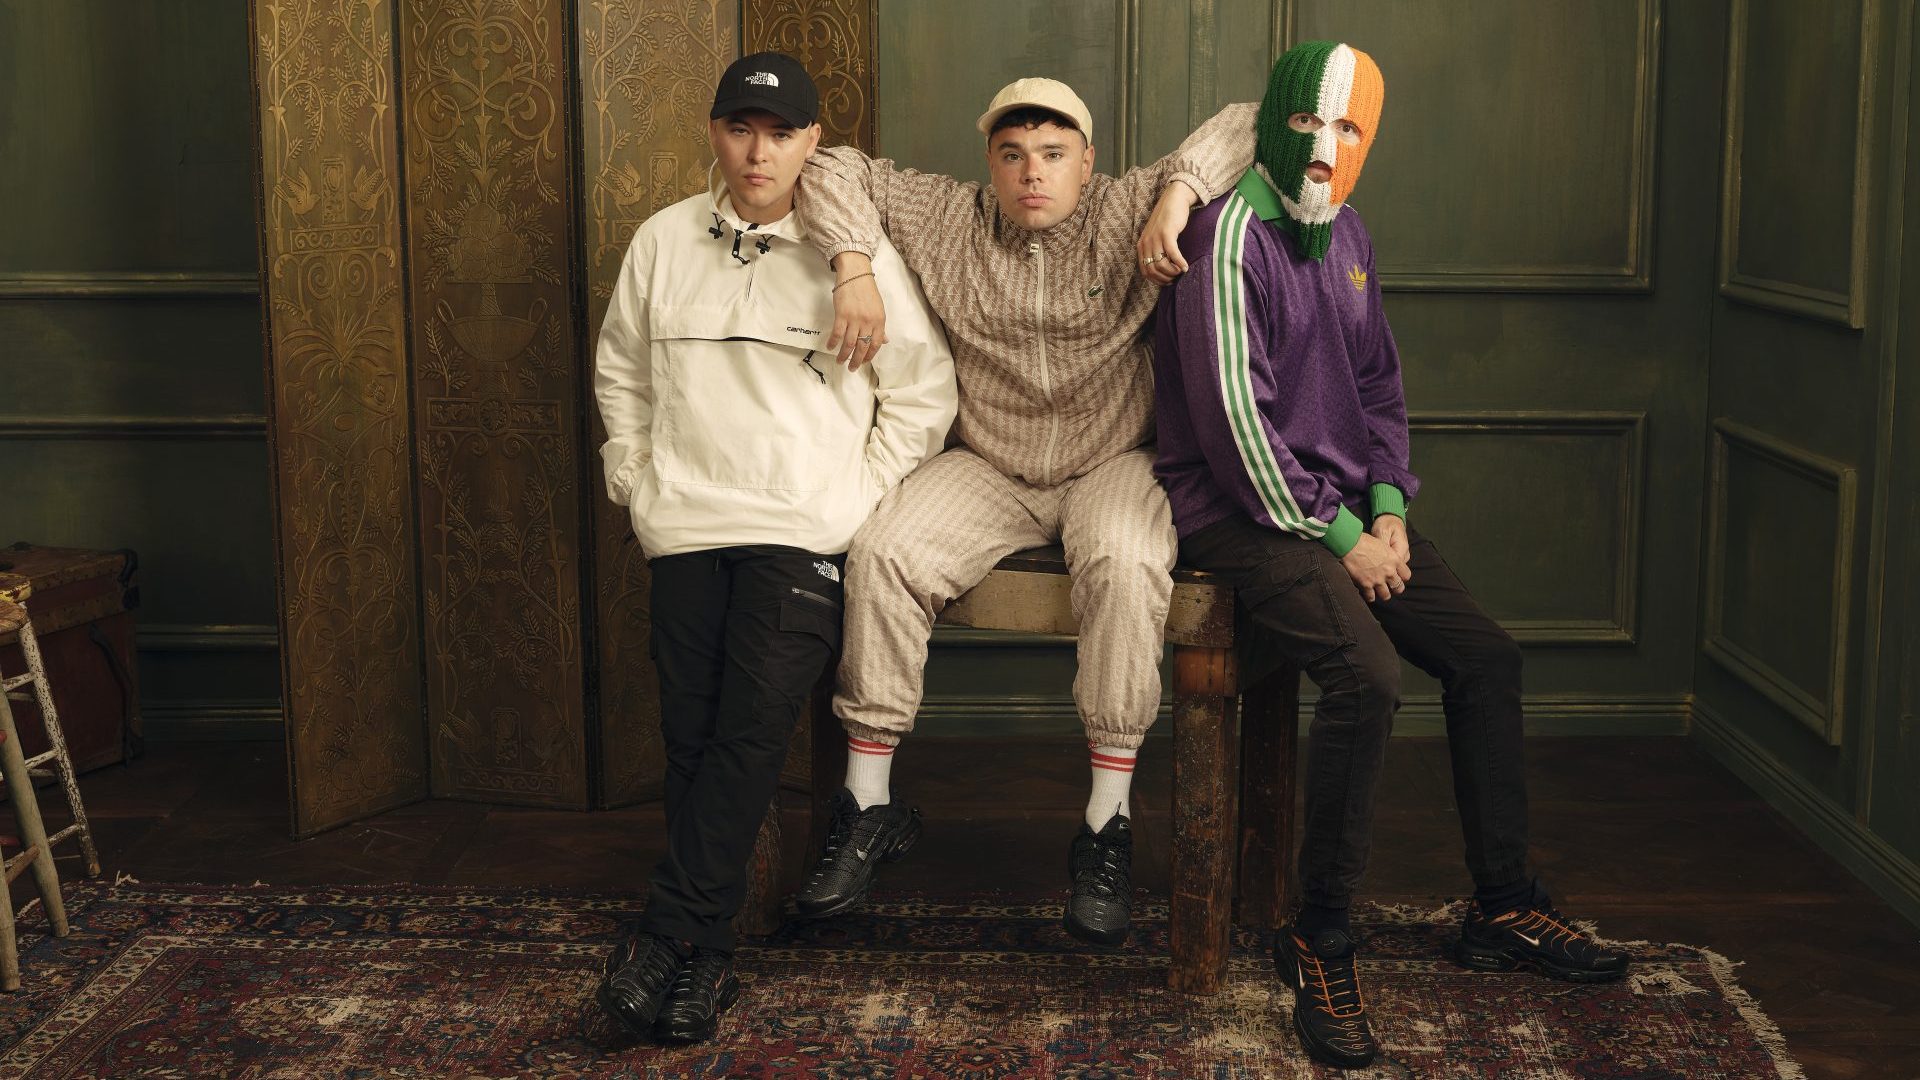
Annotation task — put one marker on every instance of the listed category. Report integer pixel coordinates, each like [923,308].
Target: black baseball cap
[768,80]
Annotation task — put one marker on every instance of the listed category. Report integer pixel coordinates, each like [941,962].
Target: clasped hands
[1378,563]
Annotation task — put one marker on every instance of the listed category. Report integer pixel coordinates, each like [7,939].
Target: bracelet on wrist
[855,277]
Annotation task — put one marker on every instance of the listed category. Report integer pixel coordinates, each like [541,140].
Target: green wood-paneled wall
[130,350]
[1805,679]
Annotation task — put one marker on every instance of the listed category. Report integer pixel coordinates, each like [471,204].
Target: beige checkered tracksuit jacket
[1056,394]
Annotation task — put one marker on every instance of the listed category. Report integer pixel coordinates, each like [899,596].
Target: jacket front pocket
[746,415]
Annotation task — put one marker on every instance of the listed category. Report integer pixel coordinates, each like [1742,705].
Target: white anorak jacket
[727,421]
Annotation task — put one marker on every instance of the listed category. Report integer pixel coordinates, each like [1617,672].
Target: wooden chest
[82,607]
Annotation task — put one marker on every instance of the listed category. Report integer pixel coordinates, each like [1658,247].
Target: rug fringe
[1415,915]
[1762,1025]
[1765,1031]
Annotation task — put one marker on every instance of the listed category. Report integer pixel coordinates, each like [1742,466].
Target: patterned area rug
[192,981]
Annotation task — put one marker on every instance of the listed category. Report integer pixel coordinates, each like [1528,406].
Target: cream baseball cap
[1046,93]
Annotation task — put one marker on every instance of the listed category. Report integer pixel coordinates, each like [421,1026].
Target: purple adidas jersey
[1277,386]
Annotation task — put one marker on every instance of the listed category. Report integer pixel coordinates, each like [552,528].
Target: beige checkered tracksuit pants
[946,526]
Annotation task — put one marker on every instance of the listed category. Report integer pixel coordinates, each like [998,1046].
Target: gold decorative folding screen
[447,188]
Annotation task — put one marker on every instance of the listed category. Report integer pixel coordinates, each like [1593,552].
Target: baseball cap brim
[746,102]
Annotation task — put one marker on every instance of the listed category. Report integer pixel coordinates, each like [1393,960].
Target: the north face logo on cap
[764,78]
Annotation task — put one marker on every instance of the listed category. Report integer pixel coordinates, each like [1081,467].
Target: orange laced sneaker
[1539,937]
[1329,1014]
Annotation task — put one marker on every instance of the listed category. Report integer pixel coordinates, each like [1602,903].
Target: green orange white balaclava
[1333,82]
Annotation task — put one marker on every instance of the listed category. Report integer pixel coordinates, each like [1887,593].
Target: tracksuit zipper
[1046,375]
[813,596]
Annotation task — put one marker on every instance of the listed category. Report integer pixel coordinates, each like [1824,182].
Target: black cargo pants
[740,636]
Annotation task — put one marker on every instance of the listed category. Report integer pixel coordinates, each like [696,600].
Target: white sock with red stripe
[1112,780]
[869,765]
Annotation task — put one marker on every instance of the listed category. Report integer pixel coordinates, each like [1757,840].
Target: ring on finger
[863,339]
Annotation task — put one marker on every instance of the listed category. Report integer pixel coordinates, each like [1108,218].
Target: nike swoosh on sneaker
[1533,941]
[861,854]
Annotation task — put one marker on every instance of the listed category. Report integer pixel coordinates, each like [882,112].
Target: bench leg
[1269,741]
[1205,838]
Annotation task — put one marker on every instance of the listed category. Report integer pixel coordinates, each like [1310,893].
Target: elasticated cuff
[620,482]
[1107,736]
[833,251]
[883,736]
[1343,533]
[1199,187]
[1388,499]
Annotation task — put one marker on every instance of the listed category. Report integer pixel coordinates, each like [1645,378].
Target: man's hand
[859,316]
[1390,528]
[1159,246]
[1376,568]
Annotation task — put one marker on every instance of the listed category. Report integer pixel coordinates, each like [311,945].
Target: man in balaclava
[1283,449]
[1317,80]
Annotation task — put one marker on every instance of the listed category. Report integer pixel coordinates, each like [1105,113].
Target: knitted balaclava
[1333,82]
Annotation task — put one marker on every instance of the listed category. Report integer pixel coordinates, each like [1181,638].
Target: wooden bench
[1233,761]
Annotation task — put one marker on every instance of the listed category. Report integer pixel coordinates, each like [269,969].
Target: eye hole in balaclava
[1334,83]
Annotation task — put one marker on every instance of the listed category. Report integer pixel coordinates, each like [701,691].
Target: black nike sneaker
[857,842]
[636,980]
[1539,937]
[1100,865]
[705,988]
[1329,1014]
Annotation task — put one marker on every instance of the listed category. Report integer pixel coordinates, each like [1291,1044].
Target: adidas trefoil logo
[1359,279]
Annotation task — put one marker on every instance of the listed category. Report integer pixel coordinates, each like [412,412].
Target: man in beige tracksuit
[1036,279]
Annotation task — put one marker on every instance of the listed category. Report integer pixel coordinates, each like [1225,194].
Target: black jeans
[740,636]
[1308,608]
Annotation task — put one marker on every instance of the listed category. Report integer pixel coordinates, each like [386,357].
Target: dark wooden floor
[1647,835]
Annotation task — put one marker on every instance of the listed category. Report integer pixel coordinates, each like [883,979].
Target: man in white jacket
[749,461]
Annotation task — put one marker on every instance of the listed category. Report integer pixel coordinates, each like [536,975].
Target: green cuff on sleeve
[1388,499]
[1343,533]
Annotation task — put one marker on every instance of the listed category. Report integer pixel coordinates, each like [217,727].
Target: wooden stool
[16,589]
[37,852]
[1232,782]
